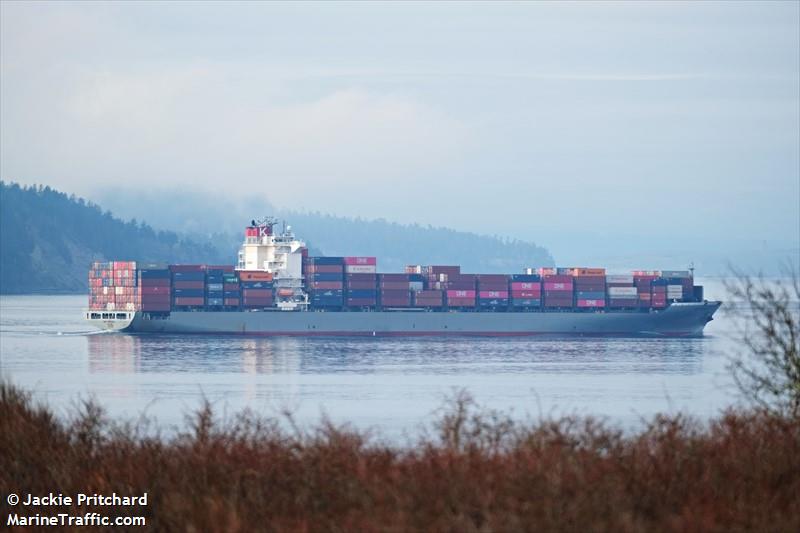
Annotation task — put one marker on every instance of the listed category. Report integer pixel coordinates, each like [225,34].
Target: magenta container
[372,261]
[460,294]
[526,286]
[591,303]
[493,294]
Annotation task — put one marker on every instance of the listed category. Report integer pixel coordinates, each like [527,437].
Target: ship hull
[679,319]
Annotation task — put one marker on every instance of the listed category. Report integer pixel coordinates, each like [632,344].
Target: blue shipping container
[326,260]
[231,294]
[328,276]
[214,301]
[492,302]
[525,278]
[154,274]
[335,293]
[362,293]
[526,302]
[591,295]
[188,293]
[189,276]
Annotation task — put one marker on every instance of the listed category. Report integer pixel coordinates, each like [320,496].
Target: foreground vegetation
[475,471]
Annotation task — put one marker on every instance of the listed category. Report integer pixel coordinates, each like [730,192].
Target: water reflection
[119,353]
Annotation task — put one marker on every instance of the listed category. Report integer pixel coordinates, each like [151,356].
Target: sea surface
[394,386]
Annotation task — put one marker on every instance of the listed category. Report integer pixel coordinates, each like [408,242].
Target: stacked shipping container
[360,281]
[154,288]
[336,282]
[112,286]
[325,281]
[526,291]
[492,291]
[394,290]
[590,288]
[557,290]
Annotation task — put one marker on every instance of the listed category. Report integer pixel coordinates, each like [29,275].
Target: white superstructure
[279,254]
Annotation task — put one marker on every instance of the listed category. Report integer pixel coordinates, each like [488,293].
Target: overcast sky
[580,126]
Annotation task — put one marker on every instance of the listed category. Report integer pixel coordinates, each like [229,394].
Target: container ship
[276,288]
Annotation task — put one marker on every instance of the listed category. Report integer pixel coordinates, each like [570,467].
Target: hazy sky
[584,127]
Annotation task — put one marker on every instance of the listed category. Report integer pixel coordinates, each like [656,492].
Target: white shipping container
[414,269]
[215,286]
[105,290]
[117,290]
[415,286]
[624,278]
[622,292]
[110,306]
[360,269]
[675,274]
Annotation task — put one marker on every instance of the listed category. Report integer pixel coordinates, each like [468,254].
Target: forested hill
[48,239]
[397,245]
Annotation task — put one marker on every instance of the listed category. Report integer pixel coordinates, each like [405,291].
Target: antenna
[691,269]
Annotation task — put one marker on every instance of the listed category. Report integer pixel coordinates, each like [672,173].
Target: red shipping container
[618,302]
[430,293]
[360,301]
[459,285]
[154,290]
[257,293]
[396,302]
[394,293]
[154,298]
[558,287]
[230,286]
[158,282]
[394,277]
[361,285]
[493,294]
[461,302]
[187,268]
[254,275]
[525,286]
[526,294]
[460,294]
[149,307]
[395,285]
[558,302]
[362,277]
[189,284]
[257,302]
[316,285]
[181,301]
[492,278]
[360,261]
[591,303]
[231,301]
[450,270]
[224,268]
[493,286]
[557,278]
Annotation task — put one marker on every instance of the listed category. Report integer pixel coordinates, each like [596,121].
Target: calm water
[392,385]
